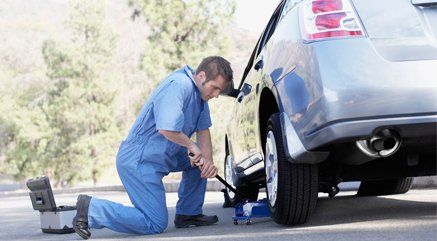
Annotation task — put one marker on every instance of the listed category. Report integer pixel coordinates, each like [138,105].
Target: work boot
[186,221]
[80,221]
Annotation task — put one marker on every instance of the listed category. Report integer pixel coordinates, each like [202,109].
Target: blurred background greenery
[74,75]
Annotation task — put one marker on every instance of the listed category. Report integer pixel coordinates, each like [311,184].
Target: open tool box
[53,219]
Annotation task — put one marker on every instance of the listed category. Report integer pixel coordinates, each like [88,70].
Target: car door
[238,128]
[249,125]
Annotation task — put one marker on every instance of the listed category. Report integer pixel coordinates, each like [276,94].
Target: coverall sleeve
[204,119]
[168,106]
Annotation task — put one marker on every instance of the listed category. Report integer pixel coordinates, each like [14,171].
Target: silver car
[335,91]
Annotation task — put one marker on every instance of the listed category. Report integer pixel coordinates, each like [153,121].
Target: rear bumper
[352,130]
[302,149]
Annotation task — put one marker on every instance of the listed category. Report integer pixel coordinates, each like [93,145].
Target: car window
[250,63]
[270,29]
[265,36]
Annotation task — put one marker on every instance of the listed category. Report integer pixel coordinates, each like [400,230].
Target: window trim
[258,47]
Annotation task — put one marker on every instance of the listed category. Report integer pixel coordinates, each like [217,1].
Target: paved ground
[410,216]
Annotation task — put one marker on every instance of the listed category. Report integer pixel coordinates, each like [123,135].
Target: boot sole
[193,224]
[77,230]
[82,235]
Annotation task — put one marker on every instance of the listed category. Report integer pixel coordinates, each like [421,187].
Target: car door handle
[259,65]
[240,97]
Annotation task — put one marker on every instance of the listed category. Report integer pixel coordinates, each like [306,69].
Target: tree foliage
[62,119]
[182,32]
[69,130]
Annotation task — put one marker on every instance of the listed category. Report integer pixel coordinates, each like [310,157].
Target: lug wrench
[222,180]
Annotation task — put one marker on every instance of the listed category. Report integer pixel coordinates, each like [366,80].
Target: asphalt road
[410,216]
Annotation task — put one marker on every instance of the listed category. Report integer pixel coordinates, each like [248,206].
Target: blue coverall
[146,156]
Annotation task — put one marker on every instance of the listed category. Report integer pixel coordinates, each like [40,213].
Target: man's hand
[208,169]
[195,155]
[183,140]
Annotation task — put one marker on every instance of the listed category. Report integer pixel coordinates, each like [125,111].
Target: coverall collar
[190,72]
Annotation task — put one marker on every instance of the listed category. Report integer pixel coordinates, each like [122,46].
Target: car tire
[249,192]
[385,187]
[297,184]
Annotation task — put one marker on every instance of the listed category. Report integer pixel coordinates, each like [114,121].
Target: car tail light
[322,19]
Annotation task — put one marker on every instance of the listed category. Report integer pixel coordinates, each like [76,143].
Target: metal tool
[222,180]
[246,210]
[225,183]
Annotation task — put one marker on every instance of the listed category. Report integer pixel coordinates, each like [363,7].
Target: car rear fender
[294,149]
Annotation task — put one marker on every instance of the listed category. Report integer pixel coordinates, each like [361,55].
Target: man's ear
[202,75]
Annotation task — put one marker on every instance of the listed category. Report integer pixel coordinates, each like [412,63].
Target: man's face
[212,88]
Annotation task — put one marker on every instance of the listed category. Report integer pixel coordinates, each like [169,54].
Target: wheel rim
[271,162]
[228,176]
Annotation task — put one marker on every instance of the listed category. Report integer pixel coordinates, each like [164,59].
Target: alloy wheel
[271,162]
[228,176]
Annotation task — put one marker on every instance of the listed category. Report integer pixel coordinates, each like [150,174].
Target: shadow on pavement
[341,218]
[329,212]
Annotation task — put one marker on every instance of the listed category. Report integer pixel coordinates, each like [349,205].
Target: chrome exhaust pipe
[383,144]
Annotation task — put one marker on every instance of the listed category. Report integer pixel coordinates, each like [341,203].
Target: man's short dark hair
[214,66]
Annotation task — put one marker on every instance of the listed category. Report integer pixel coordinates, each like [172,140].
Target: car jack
[248,210]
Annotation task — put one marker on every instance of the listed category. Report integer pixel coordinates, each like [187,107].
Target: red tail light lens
[329,21]
[321,6]
[322,19]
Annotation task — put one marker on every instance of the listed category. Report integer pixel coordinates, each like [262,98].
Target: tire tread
[297,184]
